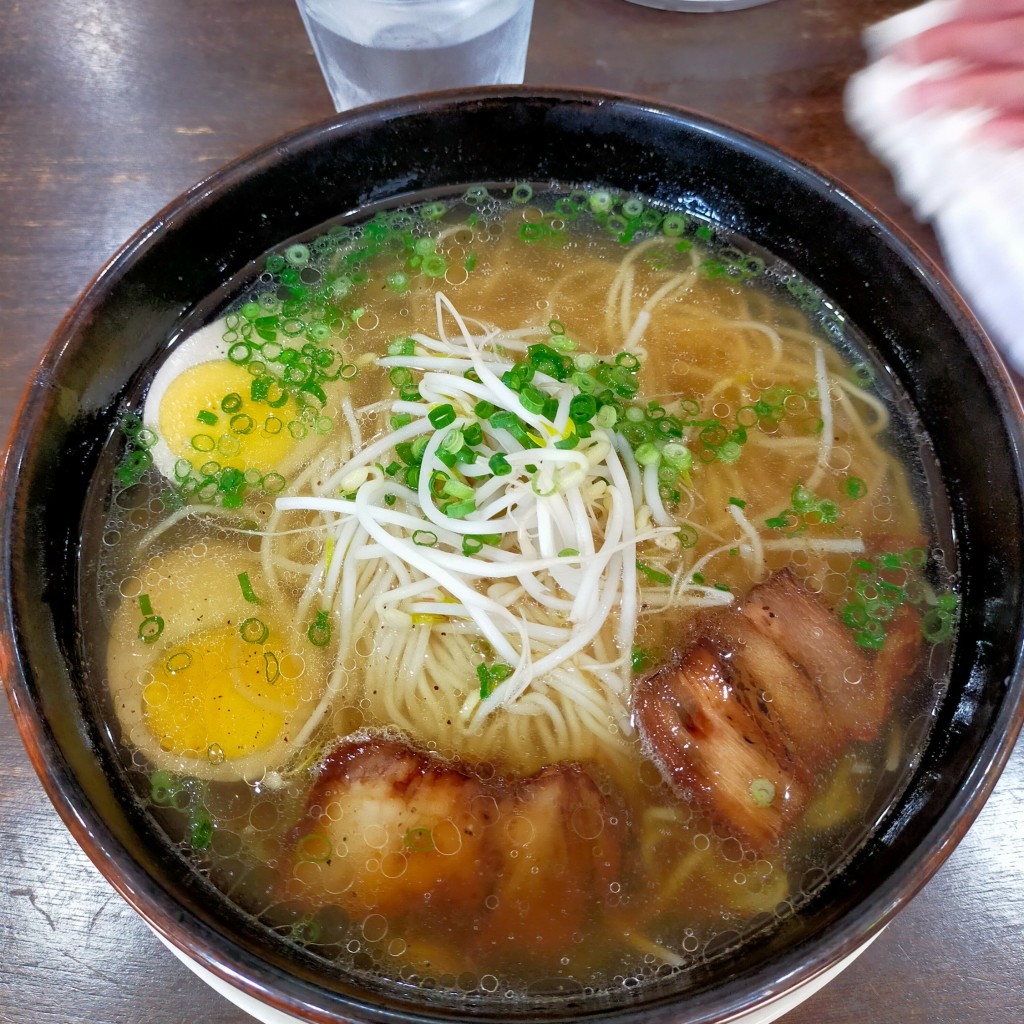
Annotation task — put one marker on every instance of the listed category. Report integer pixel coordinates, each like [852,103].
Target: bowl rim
[262,980]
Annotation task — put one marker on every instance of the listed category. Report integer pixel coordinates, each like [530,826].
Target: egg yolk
[220,697]
[207,413]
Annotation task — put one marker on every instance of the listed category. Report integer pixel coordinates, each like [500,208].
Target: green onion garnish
[654,575]
[490,676]
[648,454]
[456,489]
[640,659]
[200,832]
[247,591]
[855,487]
[441,416]
[253,631]
[402,347]
[499,464]
[319,632]
[460,509]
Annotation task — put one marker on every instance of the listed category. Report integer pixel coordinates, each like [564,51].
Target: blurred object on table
[700,6]
[942,103]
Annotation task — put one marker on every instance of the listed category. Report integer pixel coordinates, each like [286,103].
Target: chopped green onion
[648,454]
[654,575]
[452,442]
[253,631]
[855,487]
[829,511]
[163,788]
[402,347]
[150,628]
[688,536]
[319,632]
[424,538]
[640,659]
[490,676]
[441,416]
[499,464]
[405,451]
[247,591]
[673,225]
[762,792]
[200,832]
[532,399]
[457,489]
[522,193]
[582,408]
[460,509]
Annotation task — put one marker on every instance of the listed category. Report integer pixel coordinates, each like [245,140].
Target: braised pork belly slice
[811,636]
[779,694]
[560,847]
[764,698]
[388,827]
[397,831]
[856,690]
[708,745]
[895,664]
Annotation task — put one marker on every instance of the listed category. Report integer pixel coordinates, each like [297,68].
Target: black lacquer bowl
[918,326]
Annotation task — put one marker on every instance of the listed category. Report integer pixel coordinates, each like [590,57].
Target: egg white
[205,345]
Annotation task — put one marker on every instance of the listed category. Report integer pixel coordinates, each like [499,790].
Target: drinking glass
[376,49]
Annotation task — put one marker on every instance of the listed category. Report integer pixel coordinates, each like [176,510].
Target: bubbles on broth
[733,348]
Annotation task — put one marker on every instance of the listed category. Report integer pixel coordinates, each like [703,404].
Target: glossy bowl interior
[916,324]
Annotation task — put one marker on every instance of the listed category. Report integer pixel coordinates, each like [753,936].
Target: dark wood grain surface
[109,109]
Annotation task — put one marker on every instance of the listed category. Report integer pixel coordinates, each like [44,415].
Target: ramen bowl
[918,330]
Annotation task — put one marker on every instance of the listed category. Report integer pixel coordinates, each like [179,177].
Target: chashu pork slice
[813,638]
[560,851]
[777,692]
[856,690]
[708,745]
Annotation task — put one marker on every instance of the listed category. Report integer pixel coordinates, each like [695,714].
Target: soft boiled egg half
[207,414]
[211,679]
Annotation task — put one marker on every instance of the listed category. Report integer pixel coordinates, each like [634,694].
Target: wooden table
[109,109]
